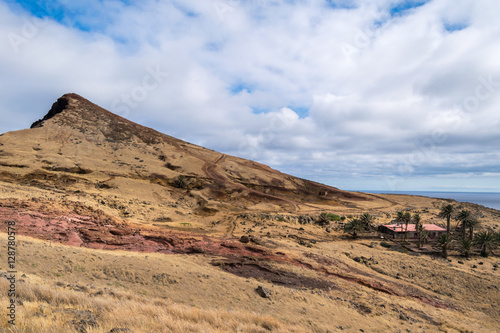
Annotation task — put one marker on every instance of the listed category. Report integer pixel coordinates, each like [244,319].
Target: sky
[362,95]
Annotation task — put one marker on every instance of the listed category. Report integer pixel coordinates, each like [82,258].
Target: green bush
[330,217]
[386,245]
[334,217]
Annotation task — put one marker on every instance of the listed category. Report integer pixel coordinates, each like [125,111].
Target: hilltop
[190,225]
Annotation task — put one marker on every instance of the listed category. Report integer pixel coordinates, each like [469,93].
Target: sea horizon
[487,199]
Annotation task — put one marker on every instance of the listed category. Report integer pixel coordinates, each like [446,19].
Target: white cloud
[344,92]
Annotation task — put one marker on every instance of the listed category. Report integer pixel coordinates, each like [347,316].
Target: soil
[260,270]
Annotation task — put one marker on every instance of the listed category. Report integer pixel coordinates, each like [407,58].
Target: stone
[244,239]
[403,316]
[120,330]
[263,292]
[83,320]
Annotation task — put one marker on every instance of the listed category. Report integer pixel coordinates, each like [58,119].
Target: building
[399,230]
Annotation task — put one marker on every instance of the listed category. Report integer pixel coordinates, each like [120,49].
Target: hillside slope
[194,232]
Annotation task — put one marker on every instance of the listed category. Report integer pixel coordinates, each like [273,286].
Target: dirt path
[210,170]
[231,227]
[391,202]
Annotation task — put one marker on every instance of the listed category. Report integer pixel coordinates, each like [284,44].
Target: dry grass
[121,291]
[193,296]
[46,309]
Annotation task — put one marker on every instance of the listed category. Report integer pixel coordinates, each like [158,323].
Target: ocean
[487,199]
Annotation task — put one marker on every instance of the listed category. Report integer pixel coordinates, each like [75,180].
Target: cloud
[329,90]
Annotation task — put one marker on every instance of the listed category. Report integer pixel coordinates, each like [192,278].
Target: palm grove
[462,237]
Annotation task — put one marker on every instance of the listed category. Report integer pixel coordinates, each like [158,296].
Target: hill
[197,231]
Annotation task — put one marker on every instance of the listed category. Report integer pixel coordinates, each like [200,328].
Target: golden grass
[43,310]
[193,296]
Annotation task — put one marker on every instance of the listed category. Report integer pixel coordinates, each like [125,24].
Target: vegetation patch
[171,166]
[9,165]
[77,170]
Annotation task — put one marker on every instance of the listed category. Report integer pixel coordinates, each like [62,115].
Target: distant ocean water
[487,199]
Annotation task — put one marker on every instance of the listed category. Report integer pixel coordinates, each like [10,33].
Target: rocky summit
[220,243]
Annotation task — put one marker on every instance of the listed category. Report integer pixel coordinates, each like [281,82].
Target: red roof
[411,227]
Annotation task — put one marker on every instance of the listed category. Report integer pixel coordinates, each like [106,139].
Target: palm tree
[445,241]
[400,216]
[422,234]
[417,219]
[404,218]
[354,227]
[465,218]
[486,241]
[366,219]
[446,213]
[466,247]
[471,224]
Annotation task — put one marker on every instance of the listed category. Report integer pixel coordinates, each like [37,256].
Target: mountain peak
[62,104]
[74,111]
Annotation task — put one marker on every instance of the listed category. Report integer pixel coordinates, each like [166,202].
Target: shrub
[386,245]
[334,217]
[324,218]
[180,182]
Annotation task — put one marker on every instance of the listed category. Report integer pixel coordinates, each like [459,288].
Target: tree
[465,218]
[420,234]
[354,227]
[416,219]
[445,241]
[404,218]
[446,213]
[471,224]
[486,241]
[466,247]
[367,220]
[424,234]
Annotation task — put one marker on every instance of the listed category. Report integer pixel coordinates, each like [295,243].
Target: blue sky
[362,95]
